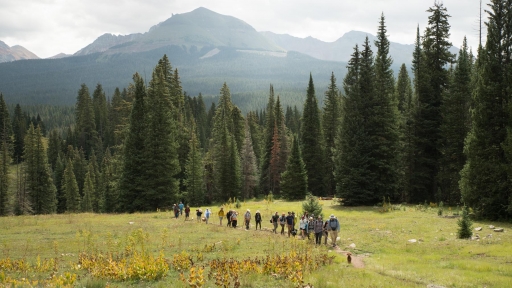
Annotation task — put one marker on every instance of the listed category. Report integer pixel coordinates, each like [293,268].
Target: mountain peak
[16,52]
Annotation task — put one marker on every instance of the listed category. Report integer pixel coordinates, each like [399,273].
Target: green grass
[381,239]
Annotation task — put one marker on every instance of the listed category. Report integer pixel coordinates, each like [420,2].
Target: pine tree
[432,80]
[225,152]
[194,172]
[353,167]
[275,164]
[267,148]
[99,104]
[406,109]
[383,126]
[133,179]
[249,166]
[294,181]
[311,137]
[161,156]
[38,179]
[88,198]
[484,180]
[70,188]
[465,230]
[312,206]
[331,123]
[19,127]
[4,178]
[454,128]
[58,174]
[5,122]
[85,122]
[109,179]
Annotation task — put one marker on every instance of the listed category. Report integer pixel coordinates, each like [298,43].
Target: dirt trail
[357,262]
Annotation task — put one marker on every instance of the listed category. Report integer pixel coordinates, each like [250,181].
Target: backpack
[258,217]
[333,223]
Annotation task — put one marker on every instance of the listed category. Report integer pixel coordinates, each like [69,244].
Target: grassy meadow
[63,250]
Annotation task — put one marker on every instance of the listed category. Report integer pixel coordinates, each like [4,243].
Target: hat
[248,210]
[310,218]
[332,215]
[319,217]
[257,211]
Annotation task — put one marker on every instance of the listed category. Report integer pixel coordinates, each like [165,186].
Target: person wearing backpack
[334,228]
[234,218]
[275,222]
[282,222]
[311,226]
[207,214]
[228,217]
[319,230]
[257,218]
[247,219]
[289,223]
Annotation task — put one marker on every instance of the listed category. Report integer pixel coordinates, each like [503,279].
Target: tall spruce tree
[70,188]
[249,166]
[132,183]
[384,126]
[38,179]
[5,122]
[406,109]
[267,148]
[331,123]
[484,181]
[19,127]
[311,142]
[4,178]
[162,165]
[355,173]
[99,104]
[225,157]
[88,198]
[194,172]
[431,82]
[294,181]
[85,127]
[454,128]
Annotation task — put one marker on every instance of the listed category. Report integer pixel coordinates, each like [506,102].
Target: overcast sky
[49,27]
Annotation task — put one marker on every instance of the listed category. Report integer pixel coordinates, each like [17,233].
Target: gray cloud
[48,27]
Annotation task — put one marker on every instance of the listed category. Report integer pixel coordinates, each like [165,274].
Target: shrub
[465,229]
[312,205]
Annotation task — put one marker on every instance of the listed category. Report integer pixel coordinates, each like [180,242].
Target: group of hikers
[309,225]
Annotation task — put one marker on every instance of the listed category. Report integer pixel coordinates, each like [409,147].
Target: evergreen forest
[441,131]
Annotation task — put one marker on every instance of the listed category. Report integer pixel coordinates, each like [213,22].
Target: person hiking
[247,219]
[187,213]
[275,221]
[234,217]
[318,228]
[282,222]
[228,217]
[199,212]
[303,226]
[289,223]
[181,206]
[295,220]
[334,228]
[176,211]
[207,214]
[257,218]
[311,226]
[221,215]
[325,232]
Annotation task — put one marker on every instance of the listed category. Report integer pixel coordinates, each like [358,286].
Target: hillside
[341,49]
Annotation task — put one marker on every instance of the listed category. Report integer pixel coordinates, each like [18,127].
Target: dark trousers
[258,223]
[247,224]
[282,229]
[318,238]
[233,223]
